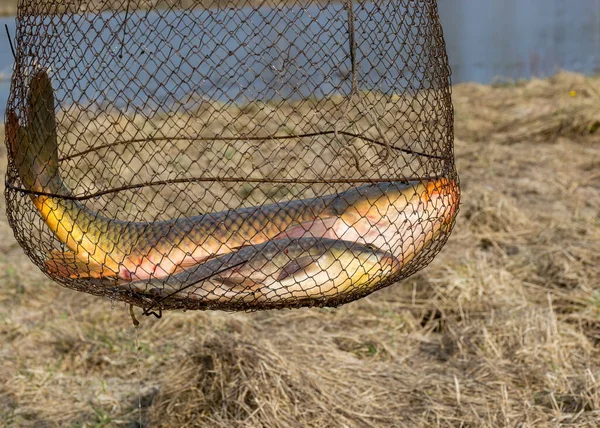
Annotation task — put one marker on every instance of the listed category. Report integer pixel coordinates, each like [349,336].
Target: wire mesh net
[230,155]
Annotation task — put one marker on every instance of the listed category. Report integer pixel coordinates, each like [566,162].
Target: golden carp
[392,216]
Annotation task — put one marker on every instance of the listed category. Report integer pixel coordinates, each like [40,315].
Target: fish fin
[318,228]
[295,266]
[66,264]
[190,262]
[239,283]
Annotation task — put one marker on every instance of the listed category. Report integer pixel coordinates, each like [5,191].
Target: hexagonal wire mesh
[234,156]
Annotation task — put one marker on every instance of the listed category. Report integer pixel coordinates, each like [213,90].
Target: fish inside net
[238,155]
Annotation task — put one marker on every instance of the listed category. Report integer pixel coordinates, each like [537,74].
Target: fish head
[394,214]
[438,200]
[330,267]
[440,196]
[426,218]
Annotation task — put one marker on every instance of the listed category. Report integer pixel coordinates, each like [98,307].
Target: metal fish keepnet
[238,155]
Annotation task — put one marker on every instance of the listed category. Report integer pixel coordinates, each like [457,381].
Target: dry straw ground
[503,329]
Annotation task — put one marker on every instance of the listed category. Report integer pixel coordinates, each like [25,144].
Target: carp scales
[392,216]
[295,269]
[395,217]
[275,271]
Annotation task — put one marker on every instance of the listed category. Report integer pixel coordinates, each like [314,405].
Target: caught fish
[294,269]
[395,217]
[385,215]
[100,247]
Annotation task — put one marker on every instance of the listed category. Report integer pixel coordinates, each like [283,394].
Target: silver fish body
[280,270]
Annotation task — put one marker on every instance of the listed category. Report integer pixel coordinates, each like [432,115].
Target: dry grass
[503,329]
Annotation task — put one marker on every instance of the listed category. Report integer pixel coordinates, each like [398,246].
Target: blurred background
[488,41]
[516,39]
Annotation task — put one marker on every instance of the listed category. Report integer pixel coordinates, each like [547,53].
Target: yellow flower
[573,93]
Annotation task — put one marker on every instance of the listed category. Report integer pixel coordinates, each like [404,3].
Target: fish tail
[68,265]
[34,148]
